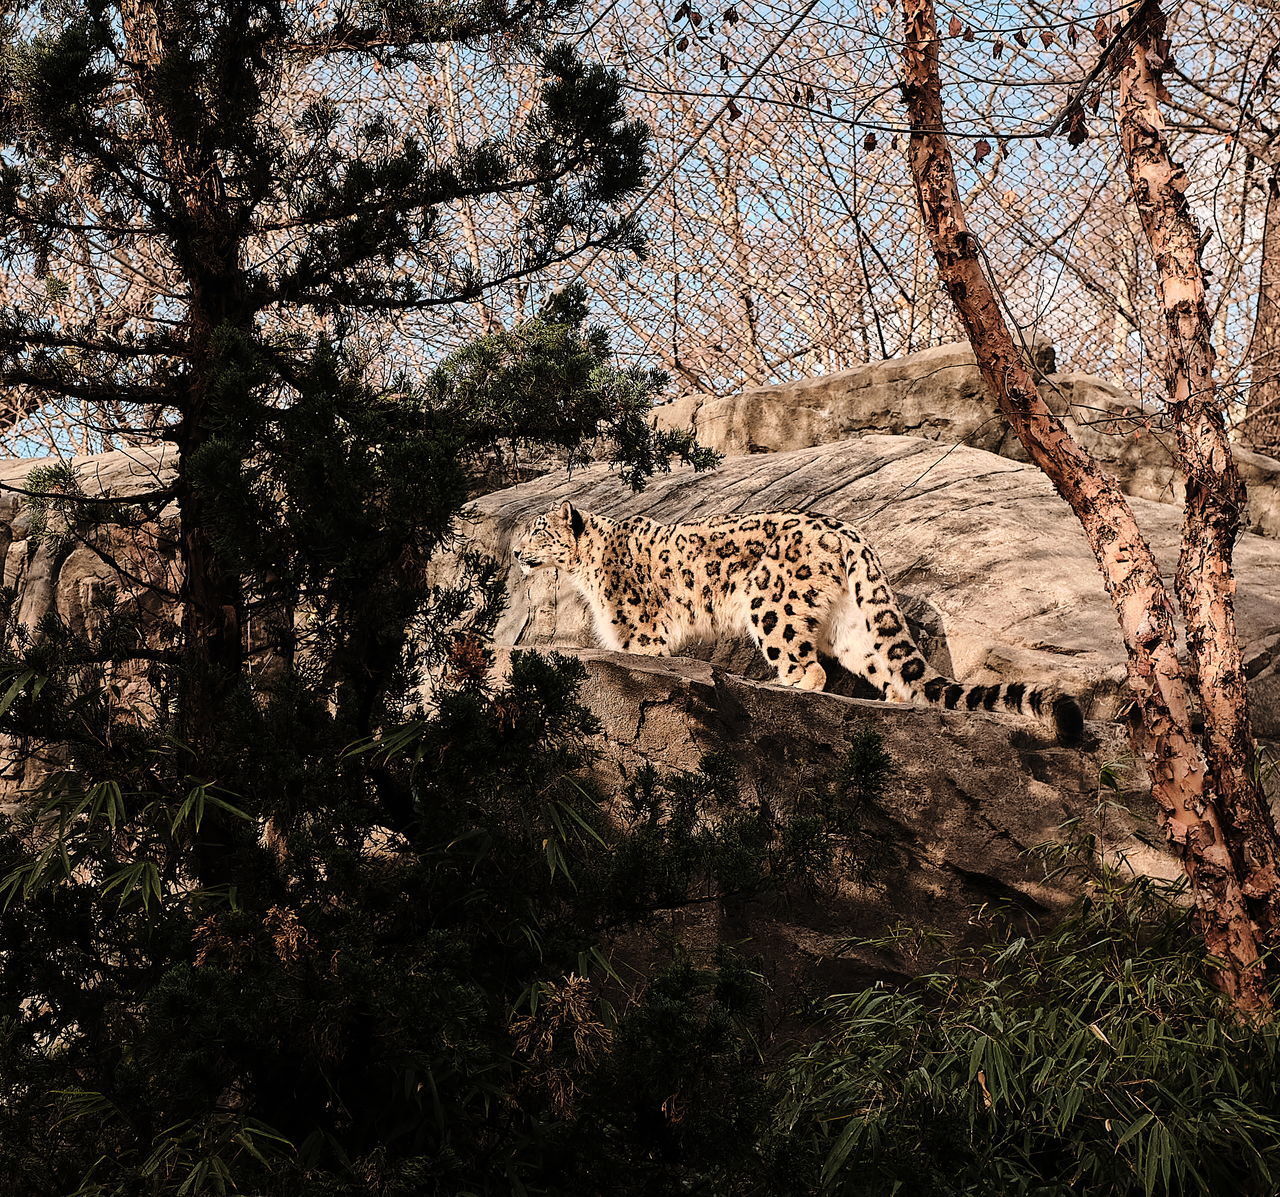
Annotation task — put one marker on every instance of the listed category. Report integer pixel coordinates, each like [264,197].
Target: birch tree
[1206,786]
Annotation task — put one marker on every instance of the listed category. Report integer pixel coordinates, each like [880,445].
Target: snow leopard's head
[553,540]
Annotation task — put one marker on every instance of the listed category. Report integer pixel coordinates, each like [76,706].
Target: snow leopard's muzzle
[526,561]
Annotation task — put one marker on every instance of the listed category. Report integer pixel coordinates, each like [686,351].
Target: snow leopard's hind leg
[870,621]
[795,658]
[851,640]
[785,617]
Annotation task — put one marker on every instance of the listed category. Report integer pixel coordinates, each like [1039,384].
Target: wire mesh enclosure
[780,233]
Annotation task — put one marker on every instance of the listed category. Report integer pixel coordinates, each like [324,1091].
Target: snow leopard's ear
[573,519]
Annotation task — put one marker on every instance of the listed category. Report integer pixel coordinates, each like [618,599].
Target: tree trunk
[1260,428]
[1232,919]
[1216,498]
[206,239]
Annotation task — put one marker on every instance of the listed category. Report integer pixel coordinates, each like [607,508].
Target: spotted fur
[798,585]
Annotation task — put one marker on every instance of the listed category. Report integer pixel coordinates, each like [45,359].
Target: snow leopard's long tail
[1051,706]
[870,636]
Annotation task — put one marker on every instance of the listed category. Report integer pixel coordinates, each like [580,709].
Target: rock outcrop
[1001,585]
[60,571]
[970,798]
[996,562]
[72,570]
[994,573]
[938,394]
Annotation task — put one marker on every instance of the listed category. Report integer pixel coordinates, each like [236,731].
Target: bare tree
[1224,93]
[1206,789]
[783,241]
[1261,425]
[782,238]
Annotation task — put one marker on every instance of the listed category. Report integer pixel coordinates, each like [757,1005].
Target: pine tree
[238,951]
[154,137]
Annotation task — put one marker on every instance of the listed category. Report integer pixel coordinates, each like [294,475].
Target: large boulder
[71,569]
[1010,583]
[936,393]
[952,837]
[59,569]
[939,394]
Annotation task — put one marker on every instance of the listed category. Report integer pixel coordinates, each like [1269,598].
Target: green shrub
[1092,1058]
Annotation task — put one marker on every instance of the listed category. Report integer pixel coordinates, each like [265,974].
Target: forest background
[781,234]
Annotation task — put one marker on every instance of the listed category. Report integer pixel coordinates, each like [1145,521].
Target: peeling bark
[1216,500]
[1228,860]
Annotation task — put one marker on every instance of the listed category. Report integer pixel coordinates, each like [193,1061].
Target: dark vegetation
[1092,1058]
[271,926]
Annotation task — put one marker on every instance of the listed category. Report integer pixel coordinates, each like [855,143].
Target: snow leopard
[797,584]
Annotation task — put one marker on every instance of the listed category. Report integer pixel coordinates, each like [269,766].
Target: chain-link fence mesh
[782,234]
[786,241]
[782,231]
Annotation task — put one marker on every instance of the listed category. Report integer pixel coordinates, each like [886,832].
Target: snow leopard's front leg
[621,624]
[648,643]
[639,631]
